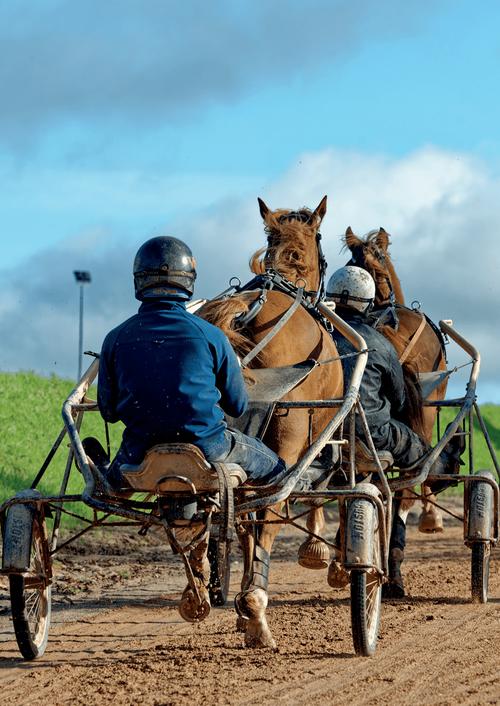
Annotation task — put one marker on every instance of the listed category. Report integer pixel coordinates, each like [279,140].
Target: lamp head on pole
[82,276]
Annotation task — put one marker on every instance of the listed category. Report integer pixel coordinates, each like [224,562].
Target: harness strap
[244,319]
[276,329]
[413,340]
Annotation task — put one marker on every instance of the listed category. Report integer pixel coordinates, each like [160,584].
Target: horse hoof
[430,521]
[314,554]
[337,577]
[191,609]
[241,624]
[393,590]
[261,640]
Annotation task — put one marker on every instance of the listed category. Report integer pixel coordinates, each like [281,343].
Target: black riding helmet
[161,262]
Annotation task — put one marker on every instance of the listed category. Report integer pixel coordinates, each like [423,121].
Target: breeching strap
[413,340]
[276,329]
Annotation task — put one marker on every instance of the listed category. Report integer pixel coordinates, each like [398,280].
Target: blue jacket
[168,375]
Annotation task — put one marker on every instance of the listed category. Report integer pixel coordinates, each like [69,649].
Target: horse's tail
[414,404]
[222,313]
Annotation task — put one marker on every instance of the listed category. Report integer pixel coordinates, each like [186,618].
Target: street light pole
[82,278]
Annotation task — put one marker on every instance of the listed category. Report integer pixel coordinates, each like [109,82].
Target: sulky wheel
[219,546]
[220,571]
[480,571]
[30,591]
[366,596]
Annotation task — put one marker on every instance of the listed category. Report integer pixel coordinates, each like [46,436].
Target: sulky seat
[178,468]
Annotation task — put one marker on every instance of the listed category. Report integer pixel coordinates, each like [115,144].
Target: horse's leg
[401,507]
[246,539]
[313,553]
[431,519]
[190,608]
[251,603]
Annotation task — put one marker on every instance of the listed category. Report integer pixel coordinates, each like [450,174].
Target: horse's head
[293,245]
[371,252]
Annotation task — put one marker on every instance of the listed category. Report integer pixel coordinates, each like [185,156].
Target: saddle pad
[269,386]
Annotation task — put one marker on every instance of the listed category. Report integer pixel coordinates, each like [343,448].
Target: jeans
[407,447]
[257,460]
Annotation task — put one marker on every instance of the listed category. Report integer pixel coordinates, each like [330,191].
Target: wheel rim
[486,572]
[36,589]
[373,594]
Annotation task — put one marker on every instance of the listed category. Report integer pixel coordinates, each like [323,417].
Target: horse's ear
[382,239]
[320,210]
[350,239]
[264,210]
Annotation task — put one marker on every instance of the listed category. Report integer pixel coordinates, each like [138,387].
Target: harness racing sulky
[304,409]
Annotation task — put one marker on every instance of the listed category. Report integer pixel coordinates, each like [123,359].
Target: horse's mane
[222,313]
[368,242]
[288,243]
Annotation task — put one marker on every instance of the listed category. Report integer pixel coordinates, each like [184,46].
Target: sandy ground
[117,638]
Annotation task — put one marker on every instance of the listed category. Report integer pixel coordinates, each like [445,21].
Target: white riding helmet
[352,286]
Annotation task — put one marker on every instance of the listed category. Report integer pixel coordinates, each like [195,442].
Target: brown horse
[416,342]
[293,251]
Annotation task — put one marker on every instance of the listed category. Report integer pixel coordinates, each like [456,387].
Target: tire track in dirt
[409,667]
[436,647]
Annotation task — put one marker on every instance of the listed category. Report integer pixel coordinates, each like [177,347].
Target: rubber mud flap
[17,531]
[480,514]
[362,522]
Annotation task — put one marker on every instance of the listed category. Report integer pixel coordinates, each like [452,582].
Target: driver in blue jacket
[169,376]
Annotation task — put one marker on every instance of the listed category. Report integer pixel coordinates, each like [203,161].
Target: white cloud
[442,210]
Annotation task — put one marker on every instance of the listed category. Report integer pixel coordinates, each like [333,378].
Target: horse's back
[303,337]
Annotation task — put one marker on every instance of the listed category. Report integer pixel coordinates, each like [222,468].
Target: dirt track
[117,638]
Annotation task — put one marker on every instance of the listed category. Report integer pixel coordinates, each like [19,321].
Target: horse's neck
[395,283]
[312,279]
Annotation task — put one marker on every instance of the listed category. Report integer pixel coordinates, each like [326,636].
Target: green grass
[482,459]
[30,421]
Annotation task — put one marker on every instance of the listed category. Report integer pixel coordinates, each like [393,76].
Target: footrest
[365,461]
[177,468]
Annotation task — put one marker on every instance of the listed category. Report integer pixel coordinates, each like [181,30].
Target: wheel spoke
[33,611]
[34,583]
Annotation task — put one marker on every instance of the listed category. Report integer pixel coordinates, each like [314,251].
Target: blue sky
[122,120]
